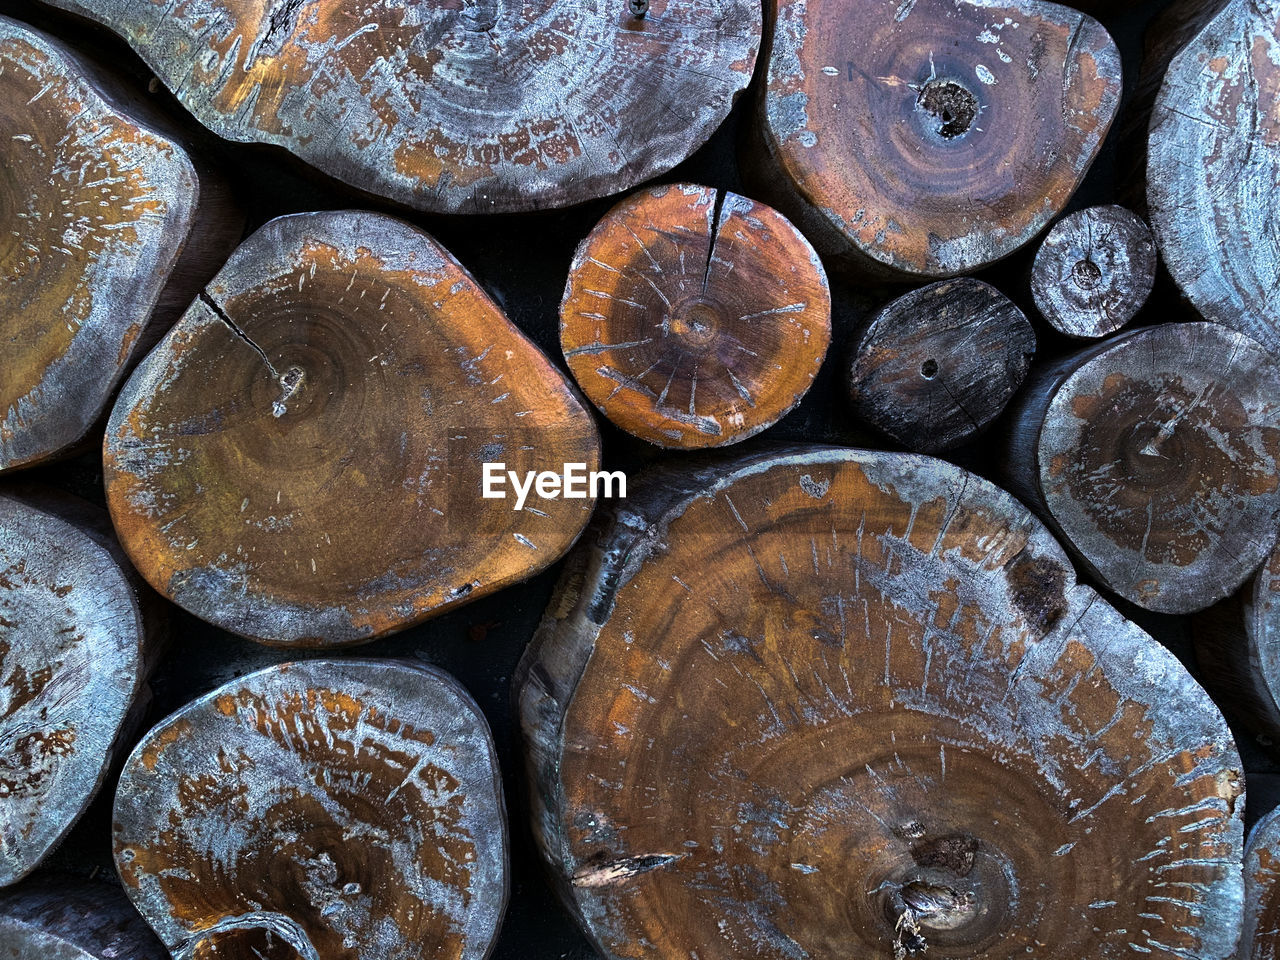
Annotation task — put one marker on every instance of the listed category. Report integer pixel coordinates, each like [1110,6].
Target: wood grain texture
[460,107]
[826,702]
[61,918]
[936,367]
[300,459]
[75,650]
[694,317]
[930,137]
[1237,646]
[1155,455]
[344,810]
[1213,161]
[97,207]
[1094,271]
[1260,939]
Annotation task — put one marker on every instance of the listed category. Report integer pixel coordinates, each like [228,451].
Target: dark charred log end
[952,106]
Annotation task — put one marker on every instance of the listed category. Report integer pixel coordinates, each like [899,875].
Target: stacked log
[322,809]
[476,107]
[932,137]
[1260,937]
[63,918]
[78,642]
[936,367]
[99,207]
[822,702]
[1156,456]
[694,317]
[1094,271]
[1212,162]
[300,460]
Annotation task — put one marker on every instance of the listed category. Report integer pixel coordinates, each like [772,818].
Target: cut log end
[936,367]
[1213,159]
[344,809]
[1260,937]
[695,318]
[74,656]
[1094,271]
[301,459]
[883,126]
[484,107]
[786,755]
[61,918]
[1156,457]
[97,208]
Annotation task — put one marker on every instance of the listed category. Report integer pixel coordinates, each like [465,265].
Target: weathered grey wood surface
[1260,939]
[74,654]
[301,459]
[61,918]
[97,207]
[826,702]
[1094,271]
[326,810]
[1156,455]
[931,137]
[1237,645]
[936,367]
[1212,167]
[471,107]
[694,317]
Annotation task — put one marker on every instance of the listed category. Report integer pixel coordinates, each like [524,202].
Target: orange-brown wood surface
[930,137]
[96,207]
[326,810]
[835,703]
[300,460]
[695,318]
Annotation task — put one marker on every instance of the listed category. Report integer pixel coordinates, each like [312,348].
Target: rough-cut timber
[301,458]
[97,207]
[460,107]
[835,703]
[1213,161]
[930,137]
[327,810]
[1094,271]
[74,655]
[66,919]
[695,317]
[1237,645]
[1155,456]
[1260,938]
[934,368]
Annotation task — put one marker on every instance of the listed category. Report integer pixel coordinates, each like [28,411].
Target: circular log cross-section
[74,654]
[63,919]
[695,318]
[934,368]
[327,810]
[1094,271]
[301,459]
[931,137]
[1260,937]
[1237,646]
[1213,161]
[96,207]
[479,106]
[1157,457]
[836,703]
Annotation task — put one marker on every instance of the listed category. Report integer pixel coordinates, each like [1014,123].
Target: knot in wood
[638,8]
[954,107]
[1086,274]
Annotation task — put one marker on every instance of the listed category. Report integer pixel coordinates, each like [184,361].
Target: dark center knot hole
[1086,274]
[951,105]
[638,8]
[937,906]
[929,369]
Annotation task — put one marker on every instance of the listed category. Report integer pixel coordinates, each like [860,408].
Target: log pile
[967,646]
